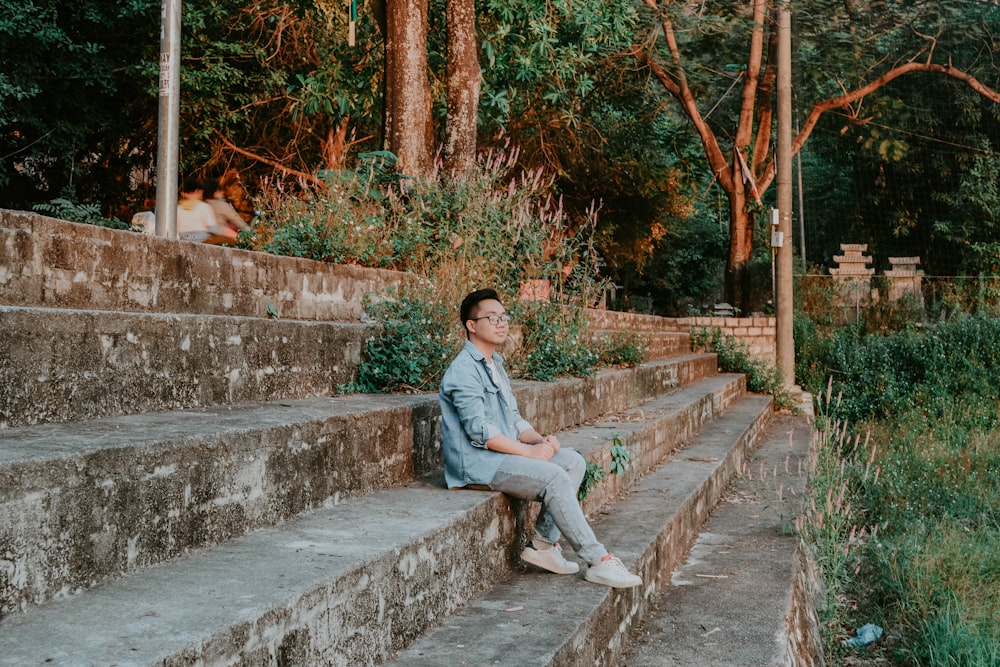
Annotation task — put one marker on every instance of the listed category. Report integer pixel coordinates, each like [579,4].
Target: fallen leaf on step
[702,459]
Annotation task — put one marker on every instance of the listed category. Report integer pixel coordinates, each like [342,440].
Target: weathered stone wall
[57,264]
[804,647]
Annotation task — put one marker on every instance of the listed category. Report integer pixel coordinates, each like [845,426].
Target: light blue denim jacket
[473,410]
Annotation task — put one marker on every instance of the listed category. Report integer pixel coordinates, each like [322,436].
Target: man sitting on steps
[488,443]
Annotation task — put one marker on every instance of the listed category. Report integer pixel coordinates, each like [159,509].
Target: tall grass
[495,226]
[904,509]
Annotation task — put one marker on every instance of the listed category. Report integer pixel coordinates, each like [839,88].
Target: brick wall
[758,333]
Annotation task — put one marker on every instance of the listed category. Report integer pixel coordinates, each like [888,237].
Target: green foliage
[906,521]
[72,109]
[735,357]
[679,265]
[880,375]
[596,473]
[621,350]
[415,346]
[620,456]
[542,59]
[974,219]
[554,342]
[90,214]
[279,78]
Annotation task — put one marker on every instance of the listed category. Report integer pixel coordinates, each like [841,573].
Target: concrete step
[346,584]
[540,619]
[652,431]
[735,602]
[63,365]
[52,263]
[85,501]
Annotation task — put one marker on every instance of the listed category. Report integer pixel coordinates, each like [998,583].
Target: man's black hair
[473,299]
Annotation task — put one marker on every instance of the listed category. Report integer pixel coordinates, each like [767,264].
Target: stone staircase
[181,484]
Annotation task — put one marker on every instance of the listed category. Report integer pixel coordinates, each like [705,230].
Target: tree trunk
[464,78]
[741,221]
[408,125]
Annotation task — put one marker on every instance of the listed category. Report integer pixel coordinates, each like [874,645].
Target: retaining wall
[758,333]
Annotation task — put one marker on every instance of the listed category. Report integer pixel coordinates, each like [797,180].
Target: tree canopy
[638,106]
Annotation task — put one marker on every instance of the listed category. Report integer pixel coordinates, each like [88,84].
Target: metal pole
[168,132]
[784,308]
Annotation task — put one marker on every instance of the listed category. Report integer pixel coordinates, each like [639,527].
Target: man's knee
[574,464]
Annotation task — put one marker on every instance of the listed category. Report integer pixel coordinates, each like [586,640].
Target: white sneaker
[549,559]
[612,572]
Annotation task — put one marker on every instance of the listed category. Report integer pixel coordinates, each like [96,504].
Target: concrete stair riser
[653,439]
[63,365]
[573,401]
[53,263]
[620,321]
[657,344]
[601,641]
[69,522]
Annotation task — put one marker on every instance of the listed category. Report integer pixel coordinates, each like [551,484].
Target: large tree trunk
[737,286]
[737,289]
[408,125]
[464,79]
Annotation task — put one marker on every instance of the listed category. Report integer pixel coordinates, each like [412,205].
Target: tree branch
[839,102]
[678,87]
[847,99]
[271,163]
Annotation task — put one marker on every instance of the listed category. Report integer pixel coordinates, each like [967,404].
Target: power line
[925,137]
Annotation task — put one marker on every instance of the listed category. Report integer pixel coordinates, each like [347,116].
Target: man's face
[481,325]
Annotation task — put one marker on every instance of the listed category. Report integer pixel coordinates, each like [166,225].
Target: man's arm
[530,443]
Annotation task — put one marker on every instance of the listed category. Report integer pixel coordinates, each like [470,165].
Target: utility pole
[784,307]
[168,132]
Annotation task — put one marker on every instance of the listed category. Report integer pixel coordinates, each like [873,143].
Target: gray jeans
[554,483]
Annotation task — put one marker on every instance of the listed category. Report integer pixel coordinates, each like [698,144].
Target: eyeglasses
[495,320]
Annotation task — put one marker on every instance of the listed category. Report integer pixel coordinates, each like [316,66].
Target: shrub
[735,357]
[878,375]
[416,344]
[490,228]
[621,350]
[553,343]
[89,214]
